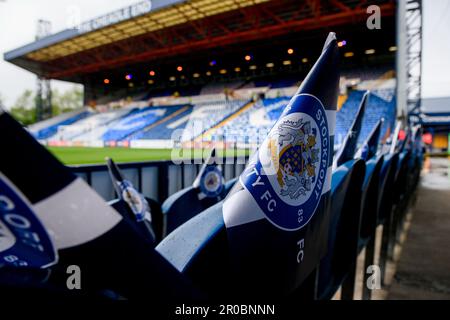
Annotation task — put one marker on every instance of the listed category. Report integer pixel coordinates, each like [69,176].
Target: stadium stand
[219,112]
[208,114]
[221,120]
[253,122]
[90,128]
[136,121]
[162,130]
[220,87]
[51,128]
[377,108]
[202,248]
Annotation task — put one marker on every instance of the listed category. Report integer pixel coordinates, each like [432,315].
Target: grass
[83,155]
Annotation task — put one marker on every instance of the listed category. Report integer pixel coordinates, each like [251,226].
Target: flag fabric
[139,206]
[404,144]
[24,242]
[276,215]
[395,138]
[416,141]
[62,202]
[209,180]
[86,232]
[370,146]
[348,148]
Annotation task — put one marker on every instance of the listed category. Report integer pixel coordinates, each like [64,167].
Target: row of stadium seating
[254,122]
[144,123]
[164,130]
[365,193]
[51,130]
[215,112]
[206,115]
[137,120]
[377,108]
[261,242]
[90,128]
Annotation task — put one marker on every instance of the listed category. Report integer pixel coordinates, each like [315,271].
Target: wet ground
[423,267]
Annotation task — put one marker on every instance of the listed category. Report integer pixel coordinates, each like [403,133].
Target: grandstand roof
[435,105]
[158,29]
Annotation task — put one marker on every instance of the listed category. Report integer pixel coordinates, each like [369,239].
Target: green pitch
[82,155]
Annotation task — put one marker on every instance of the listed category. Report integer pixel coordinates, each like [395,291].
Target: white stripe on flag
[331,118]
[327,185]
[241,208]
[7,239]
[75,215]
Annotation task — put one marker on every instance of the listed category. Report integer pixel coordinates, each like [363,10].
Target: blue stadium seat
[136,121]
[181,206]
[53,129]
[370,195]
[253,122]
[155,210]
[199,250]
[377,108]
[210,114]
[369,216]
[343,231]
[164,130]
[229,184]
[387,176]
[387,179]
[185,204]
[401,176]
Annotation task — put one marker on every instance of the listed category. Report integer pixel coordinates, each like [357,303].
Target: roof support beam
[256,33]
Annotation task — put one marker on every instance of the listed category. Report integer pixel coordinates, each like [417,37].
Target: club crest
[298,157]
[136,201]
[24,242]
[290,170]
[211,182]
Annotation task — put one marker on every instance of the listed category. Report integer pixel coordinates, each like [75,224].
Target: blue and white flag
[370,147]
[24,242]
[276,215]
[416,140]
[395,138]
[45,207]
[139,206]
[70,212]
[209,180]
[348,148]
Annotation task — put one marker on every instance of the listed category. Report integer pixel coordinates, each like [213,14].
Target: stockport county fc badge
[24,241]
[137,202]
[292,163]
[211,182]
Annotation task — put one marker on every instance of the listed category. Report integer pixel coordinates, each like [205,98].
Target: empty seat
[229,184]
[370,189]
[387,175]
[387,179]
[343,231]
[199,250]
[185,204]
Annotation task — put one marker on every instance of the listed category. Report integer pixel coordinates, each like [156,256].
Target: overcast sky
[18,19]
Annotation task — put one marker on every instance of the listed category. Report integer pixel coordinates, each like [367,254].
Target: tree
[24,109]
[69,100]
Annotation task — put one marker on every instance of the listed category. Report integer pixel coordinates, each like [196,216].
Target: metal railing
[154,179]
